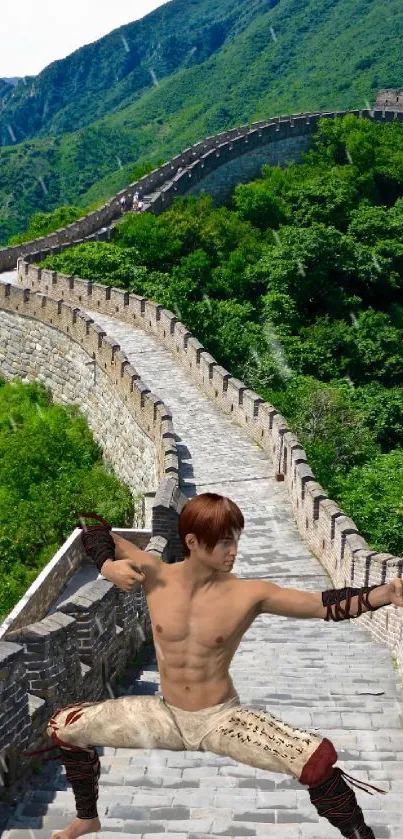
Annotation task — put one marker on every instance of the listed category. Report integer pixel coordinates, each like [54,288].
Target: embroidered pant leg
[262,740]
[136,722]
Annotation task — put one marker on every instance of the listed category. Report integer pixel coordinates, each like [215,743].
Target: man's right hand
[123,573]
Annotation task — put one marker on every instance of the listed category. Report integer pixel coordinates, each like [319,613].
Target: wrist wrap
[334,597]
[97,539]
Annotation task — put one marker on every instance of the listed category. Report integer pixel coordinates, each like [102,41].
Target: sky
[33,33]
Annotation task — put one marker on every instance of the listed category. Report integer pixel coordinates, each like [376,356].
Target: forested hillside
[186,71]
[296,288]
[50,468]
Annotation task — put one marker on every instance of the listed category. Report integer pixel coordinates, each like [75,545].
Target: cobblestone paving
[330,678]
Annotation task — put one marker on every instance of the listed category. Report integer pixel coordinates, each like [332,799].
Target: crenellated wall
[332,536]
[47,340]
[390,99]
[91,635]
[71,655]
[278,137]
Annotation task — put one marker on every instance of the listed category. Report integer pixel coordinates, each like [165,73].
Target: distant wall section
[221,182]
[277,138]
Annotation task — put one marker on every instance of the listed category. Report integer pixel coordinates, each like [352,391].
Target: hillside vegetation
[296,288]
[50,468]
[185,71]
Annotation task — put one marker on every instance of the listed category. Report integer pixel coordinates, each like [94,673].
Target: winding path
[333,678]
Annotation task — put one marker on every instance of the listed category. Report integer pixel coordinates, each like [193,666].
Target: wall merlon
[159,409]
[5,291]
[42,631]
[330,508]
[130,376]
[48,278]
[355,542]
[10,653]
[279,426]
[167,429]
[298,454]
[303,473]
[220,376]
[291,441]
[91,595]
[193,351]
[171,464]
[251,403]
[207,365]
[121,361]
[345,525]
[95,333]
[111,346]
[181,335]
[167,321]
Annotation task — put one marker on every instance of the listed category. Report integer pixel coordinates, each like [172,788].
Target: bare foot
[78,827]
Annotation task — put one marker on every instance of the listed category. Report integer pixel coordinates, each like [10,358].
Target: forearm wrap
[97,540]
[333,598]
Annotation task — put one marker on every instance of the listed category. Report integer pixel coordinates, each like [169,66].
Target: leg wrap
[336,802]
[82,771]
[82,765]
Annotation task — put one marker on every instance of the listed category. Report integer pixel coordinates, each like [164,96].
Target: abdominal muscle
[194,676]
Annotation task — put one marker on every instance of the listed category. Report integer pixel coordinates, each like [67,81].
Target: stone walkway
[330,678]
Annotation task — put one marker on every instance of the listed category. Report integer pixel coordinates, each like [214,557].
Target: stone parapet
[77,652]
[65,348]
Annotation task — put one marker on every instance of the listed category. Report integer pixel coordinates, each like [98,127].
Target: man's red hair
[210,517]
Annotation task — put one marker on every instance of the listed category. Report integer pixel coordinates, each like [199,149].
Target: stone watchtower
[389,100]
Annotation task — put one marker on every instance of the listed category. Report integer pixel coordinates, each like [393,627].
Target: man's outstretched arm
[333,604]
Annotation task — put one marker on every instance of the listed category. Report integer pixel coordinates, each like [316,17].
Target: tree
[258,204]
[372,494]
[102,262]
[383,411]
[379,353]
[311,265]
[227,330]
[328,423]
[50,467]
[325,349]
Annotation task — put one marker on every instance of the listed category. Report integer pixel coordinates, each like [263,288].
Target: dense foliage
[43,223]
[188,70]
[296,288]
[50,468]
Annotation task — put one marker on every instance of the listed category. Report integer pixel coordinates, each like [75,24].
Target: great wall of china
[65,332]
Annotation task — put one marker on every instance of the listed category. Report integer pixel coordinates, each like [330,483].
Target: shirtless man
[199,612]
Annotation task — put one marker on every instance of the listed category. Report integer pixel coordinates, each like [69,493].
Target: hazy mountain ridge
[13,80]
[116,70]
[277,56]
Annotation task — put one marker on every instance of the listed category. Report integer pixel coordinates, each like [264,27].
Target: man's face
[223,555]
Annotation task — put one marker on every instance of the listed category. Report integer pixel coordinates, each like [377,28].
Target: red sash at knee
[320,765]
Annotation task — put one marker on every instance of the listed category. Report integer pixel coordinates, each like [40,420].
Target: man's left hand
[395,591]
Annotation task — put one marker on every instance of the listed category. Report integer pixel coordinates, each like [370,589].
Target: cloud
[36,32]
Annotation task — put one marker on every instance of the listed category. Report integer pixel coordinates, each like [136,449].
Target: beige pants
[149,722]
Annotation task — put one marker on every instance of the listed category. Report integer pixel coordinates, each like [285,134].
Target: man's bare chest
[216,620]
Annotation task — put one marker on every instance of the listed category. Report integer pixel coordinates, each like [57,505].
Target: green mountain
[189,69]
[118,69]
